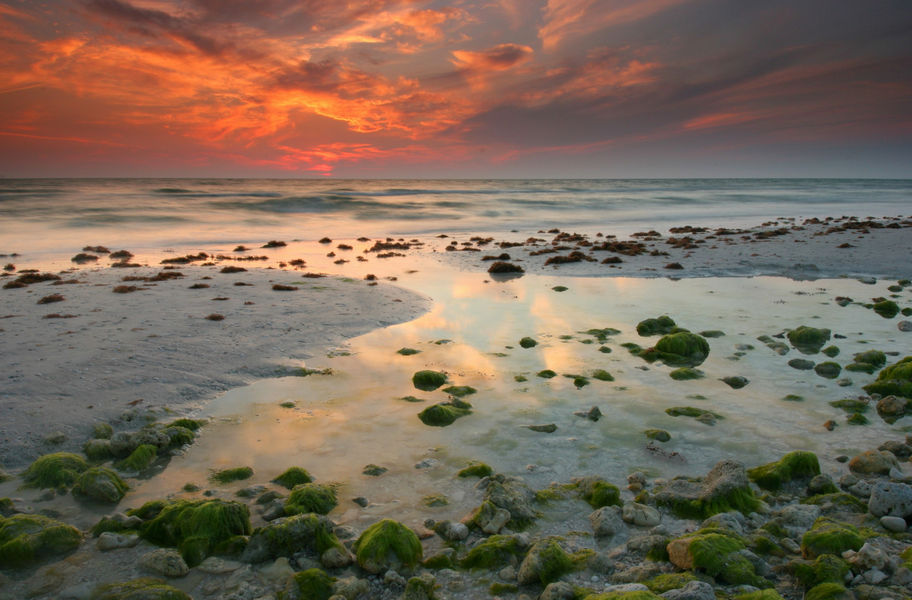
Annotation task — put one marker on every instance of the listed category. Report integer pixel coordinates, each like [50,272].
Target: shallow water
[354,417]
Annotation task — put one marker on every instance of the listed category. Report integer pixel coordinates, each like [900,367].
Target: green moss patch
[311,498]
[460,391]
[793,465]
[828,369]
[59,469]
[669,581]
[139,459]
[144,588]
[686,374]
[444,413]
[476,470]
[828,536]
[528,342]
[825,568]
[716,553]
[682,349]
[386,544]
[25,539]
[656,326]
[495,551]
[895,379]
[197,528]
[660,435]
[230,475]
[886,309]
[407,351]
[598,492]
[602,375]
[808,340]
[828,591]
[101,485]
[428,381]
[293,476]
[313,584]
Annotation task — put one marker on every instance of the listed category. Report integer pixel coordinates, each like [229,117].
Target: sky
[458,88]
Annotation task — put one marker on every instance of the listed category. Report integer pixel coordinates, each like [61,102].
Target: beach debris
[274,244]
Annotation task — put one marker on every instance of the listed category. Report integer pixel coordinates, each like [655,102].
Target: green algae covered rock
[102,431]
[602,375]
[718,553]
[312,584]
[460,391]
[545,562]
[494,552]
[25,539]
[144,588]
[825,568]
[660,435]
[311,498]
[293,476]
[59,469]
[828,536]
[101,485]
[895,380]
[387,544]
[867,362]
[444,413]
[407,351]
[759,595]
[420,588]
[682,349]
[233,474]
[97,450]
[829,591]
[289,535]
[886,309]
[598,492]
[476,470]
[197,528]
[528,342]
[546,374]
[669,581]
[724,488]
[428,381]
[686,374]
[637,595]
[828,369]
[139,459]
[793,465]
[657,326]
[808,340]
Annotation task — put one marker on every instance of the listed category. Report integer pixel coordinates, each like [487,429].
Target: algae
[139,459]
[598,493]
[602,375]
[808,340]
[528,342]
[656,326]
[407,351]
[100,484]
[895,379]
[494,551]
[794,465]
[143,588]
[444,413]
[293,476]
[197,528]
[682,349]
[686,374]
[460,391]
[56,470]
[385,544]
[886,309]
[230,475]
[311,498]
[479,469]
[828,536]
[428,381]
[313,584]
[25,539]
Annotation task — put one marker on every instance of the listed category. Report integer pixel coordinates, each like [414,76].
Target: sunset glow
[462,88]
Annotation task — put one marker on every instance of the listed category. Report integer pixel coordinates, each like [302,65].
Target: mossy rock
[839,500]
[476,470]
[886,309]
[56,470]
[197,528]
[144,588]
[407,351]
[598,492]
[828,536]
[191,424]
[637,595]
[857,419]
[311,498]
[602,334]
[686,374]
[179,436]
[682,349]
[420,588]
[831,351]
[102,431]
[725,488]
[871,357]
[528,342]
[312,584]
[794,465]
[828,369]
[98,449]
[460,391]
[895,380]
[387,544]
[26,539]
[545,563]
[231,475]
[439,561]
[493,552]
[660,435]
[546,374]
[657,326]
[428,381]
[825,568]
[602,375]
[829,591]
[851,405]
[101,485]
[669,581]
[716,552]
[444,413]
[293,476]
[736,382]
[705,416]
[139,459]
[759,595]
[290,535]
[808,340]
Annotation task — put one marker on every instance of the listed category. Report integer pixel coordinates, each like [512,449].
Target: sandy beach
[155,342]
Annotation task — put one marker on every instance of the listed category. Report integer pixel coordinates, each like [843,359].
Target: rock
[873,462]
[490,518]
[626,588]
[144,588]
[898,449]
[796,519]
[218,566]
[289,535]
[278,572]
[802,364]
[100,484]
[351,587]
[164,561]
[594,414]
[808,340]
[694,590]
[821,484]
[513,495]
[904,325]
[640,515]
[274,510]
[545,562]
[392,578]
[55,438]
[336,557]
[549,428]
[862,489]
[427,463]
[387,544]
[451,531]
[724,488]
[559,590]
[733,521]
[110,540]
[420,588]
[26,539]
[828,369]
[606,521]
[890,499]
[895,524]
[890,408]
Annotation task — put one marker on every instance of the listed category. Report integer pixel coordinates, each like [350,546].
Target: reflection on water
[356,416]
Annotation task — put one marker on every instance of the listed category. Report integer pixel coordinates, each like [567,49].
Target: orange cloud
[575,18]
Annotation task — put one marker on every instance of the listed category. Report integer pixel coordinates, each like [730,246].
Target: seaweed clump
[478,469]
[25,539]
[230,475]
[143,588]
[808,340]
[895,379]
[292,477]
[101,485]
[681,349]
[387,544]
[445,413]
[428,381]
[828,536]
[718,553]
[311,498]
[794,465]
[56,470]
[656,326]
[197,528]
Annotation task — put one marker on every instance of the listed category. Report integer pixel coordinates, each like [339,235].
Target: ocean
[50,216]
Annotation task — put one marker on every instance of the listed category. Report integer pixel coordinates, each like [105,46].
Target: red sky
[462,88]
